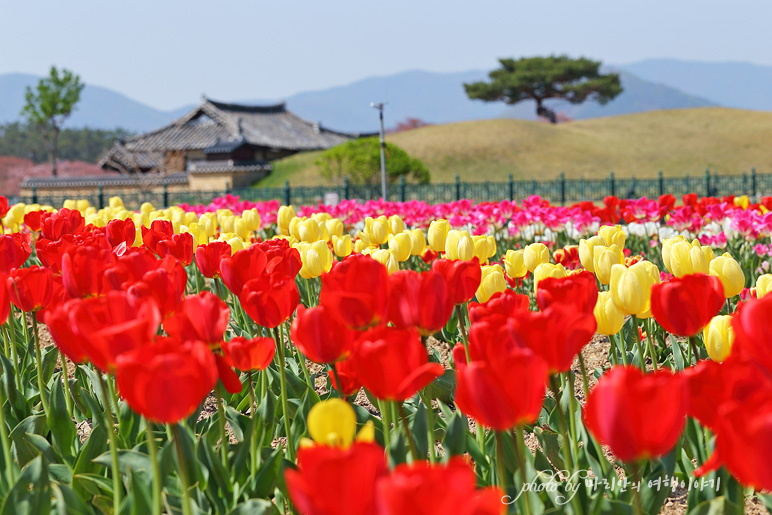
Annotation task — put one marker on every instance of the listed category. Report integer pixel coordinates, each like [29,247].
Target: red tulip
[463,278]
[64,221]
[320,337]
[208,258]
[280,257]
[184,372]
[356,291]
[229,378]
[392,363]
[426,489]
[408,306]
[639,416]
[270,300]
[334,481]
[346,372]
[30,289]
[14,251]
[683,306]
[5,303]
[202,317]
[121,231]
[130,267]
[505,304]
[580,291]
[64,334]
[243,266]
[744,442]
[178,245]
[501,391]
[753,335]
[51,253]
[166,285]
[159,230]
[254,354]
[33,220]
[3,206]
[83,270]
[112,325]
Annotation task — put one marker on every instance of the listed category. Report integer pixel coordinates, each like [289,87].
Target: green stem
[337,381]
[253,436]
[14,349]
[386,423]
[39,364]
[694,349]
[284,401]
[113,444]
[500,470]
[6,345]
[66,380]
[563,425]
[408,433]
[221,426]
[572,415]
[637,501]
[585,381]
[520,449]
[652,350]
[153,452]
[622,351]
[299,356]
[183,468]
[429,424]
[462,329]
[7,456]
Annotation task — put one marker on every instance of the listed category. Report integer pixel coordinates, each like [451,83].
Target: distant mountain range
[439,97]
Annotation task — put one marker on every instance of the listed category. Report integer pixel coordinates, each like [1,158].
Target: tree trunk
[52,150]
[545,112]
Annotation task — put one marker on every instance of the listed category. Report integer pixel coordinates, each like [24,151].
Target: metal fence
[560,190]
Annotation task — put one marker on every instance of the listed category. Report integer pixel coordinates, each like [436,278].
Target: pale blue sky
[167,52]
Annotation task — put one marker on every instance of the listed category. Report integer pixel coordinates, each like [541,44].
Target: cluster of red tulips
[192,376]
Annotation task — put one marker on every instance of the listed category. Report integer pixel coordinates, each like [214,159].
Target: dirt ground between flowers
[595,355]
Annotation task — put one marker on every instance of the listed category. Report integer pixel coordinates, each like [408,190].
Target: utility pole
[379,106]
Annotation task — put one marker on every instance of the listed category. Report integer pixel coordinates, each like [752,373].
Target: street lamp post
[379,106]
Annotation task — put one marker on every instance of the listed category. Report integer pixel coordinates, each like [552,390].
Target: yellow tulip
[586,252]
[227,224]
[613,235]
[763,285]
[147,208]
[631,288]
[377,229]
[604,258]
[400,245]
[251,219]
[514,264]
[545,270]
[361,245]
[236,244]
[284,217]
[316,258]
[138,242]
[459,245]
[386,258]
[686,259]
[115,202]
[731,274]
[438,233]
[609,319]
[396,225]
[305,229]
[15,215]
[342,245]
[535,254]
[742,202]
[334,227]
[667,245]
[240,228]
[190,217]
[492,282]
[332,422]
[719,337]
[417,242]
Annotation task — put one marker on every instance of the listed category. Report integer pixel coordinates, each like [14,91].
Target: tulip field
[387,358]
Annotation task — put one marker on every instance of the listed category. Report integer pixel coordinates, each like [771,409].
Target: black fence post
[631,194]
[661,183]
[533,186]
[401,188]
[458,187]
[612,183]
[511,188]
[287,193]
[745,183]
[707,183]
[166,195]
[34,195]
[562,189]
[753,182]
[346,191]
[101,197]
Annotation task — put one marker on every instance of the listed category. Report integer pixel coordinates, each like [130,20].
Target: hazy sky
[166,53]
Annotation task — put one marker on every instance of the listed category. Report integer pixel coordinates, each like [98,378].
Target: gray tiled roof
[105,180]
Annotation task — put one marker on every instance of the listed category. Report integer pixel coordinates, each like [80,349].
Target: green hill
[678,142]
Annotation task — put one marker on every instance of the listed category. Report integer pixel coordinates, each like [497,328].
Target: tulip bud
[190,218]
[459,245]
[284,217]
[613,235]
[227,224]
[514,264]
[687,259]
[719,337]
[342,245]
[492,281]
[400,245]
[545,270]
[667,246]
[535,254]
[417,242]
[334,227]
[240,228]
[316,257]
[377,229]
[730,273]
[438,232]
[115,202]
[586,252]
[763,285]
[631,288]
[396,225]
[387,259]
[609,319]
[251,219]
[604,258]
